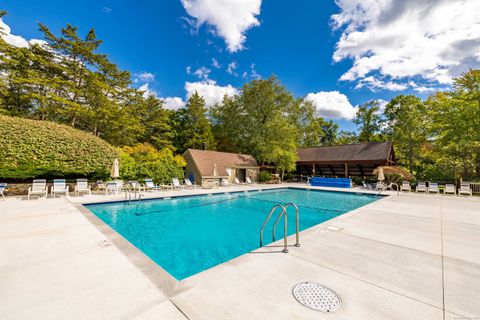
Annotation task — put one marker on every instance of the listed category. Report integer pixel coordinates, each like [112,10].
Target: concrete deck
[403,257]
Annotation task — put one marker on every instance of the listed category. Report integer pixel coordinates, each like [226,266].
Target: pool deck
[412,256]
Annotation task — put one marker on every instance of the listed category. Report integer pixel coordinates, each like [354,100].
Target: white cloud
[230,18]
[202,73]
[144,77]
[188,70]
[387,40]
[215,63]
[253,72]
[332,104]
[173,103]
[374,84]
[210,91]
[231,67]
[14,40]
[106,10]
[147,91]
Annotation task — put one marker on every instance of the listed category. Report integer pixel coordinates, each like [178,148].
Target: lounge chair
[367,186]
[465,189]
[421,187]
[134,185]
[189,183]
[82,187]
[176,183]
[3,186]
[224,183]
[433,187]
[149,185]
[450,189]
[237,181]
[100,185]
[381,186]
[59,187]
[406,186]
[38,188]
[248,180]
[111,187]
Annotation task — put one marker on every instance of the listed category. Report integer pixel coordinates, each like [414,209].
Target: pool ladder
[284,214]
[133,186]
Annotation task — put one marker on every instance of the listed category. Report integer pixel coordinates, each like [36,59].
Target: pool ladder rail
[133,187]
[284,214]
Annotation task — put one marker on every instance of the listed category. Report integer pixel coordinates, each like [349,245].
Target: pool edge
[158,276]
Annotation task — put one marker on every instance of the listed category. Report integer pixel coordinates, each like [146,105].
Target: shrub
[34,148]
[144,161]
[393,178]
[264,176]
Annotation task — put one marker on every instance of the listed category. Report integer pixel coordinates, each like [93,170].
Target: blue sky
[339,54]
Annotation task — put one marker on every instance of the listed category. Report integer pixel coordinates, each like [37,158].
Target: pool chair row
[59,187]
[434,187]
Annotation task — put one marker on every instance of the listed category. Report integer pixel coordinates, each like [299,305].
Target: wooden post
[313,170]
[346,170]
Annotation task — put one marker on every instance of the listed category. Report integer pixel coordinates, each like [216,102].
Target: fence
[475,186]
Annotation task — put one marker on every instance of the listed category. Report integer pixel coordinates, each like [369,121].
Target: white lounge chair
[433,187]
[367,186]
[3,186]
[381,186]
[111,187]
[82,187]
[189,183]
[134,185]
[248,180]
[237,181]
[465,189]
[176,183]
[406,186]
[450,189]
[421,187]
[100,185]
[59,187]
[38,188]
[149,185]
[224,183]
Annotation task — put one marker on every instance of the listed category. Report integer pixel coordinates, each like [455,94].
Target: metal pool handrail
[297,236]
[285,226]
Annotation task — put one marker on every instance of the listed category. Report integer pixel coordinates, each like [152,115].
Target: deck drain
[317,297]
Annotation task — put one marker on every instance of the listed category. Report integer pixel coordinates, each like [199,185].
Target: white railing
[475,186]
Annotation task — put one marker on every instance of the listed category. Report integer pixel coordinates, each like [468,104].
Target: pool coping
[163,280]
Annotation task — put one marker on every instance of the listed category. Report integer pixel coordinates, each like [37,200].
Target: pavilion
[345,160]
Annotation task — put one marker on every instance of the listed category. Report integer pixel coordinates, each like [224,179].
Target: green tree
[157,123]
[406,125]
[455,118]
[263,120]
[347,137]
[368,120]
[144,161]
[192,126]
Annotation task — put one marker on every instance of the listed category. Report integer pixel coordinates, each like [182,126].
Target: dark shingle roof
[362,152]
[204,161]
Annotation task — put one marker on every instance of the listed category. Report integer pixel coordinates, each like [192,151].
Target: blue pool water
[187,235]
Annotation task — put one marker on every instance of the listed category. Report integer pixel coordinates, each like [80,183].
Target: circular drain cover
[317,297]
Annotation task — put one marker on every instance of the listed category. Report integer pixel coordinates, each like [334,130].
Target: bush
[264,176]
[144,161]
[34,148]
[393,178]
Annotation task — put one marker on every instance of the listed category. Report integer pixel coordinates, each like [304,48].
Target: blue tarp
[331,182]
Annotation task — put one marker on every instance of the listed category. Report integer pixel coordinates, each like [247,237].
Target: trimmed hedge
[34,148]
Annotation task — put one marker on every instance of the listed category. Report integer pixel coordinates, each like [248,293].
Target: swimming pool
[187,235]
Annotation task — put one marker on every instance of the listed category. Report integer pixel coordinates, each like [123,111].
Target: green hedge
[34,148]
